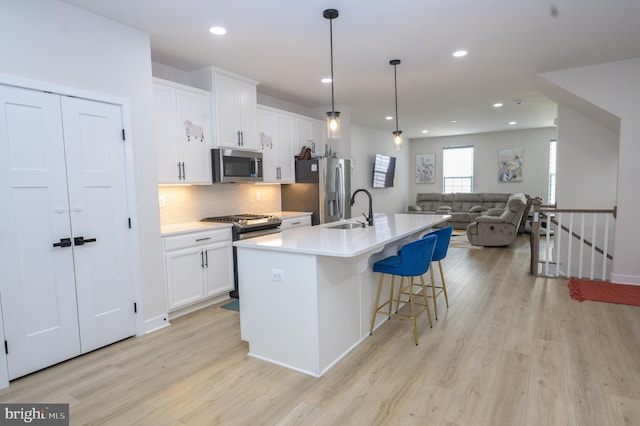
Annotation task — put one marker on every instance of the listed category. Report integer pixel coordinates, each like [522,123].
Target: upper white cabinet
[311,133]
[182,132]
[276,133]
[234,105]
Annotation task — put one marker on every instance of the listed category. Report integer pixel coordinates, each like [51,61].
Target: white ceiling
[284,44]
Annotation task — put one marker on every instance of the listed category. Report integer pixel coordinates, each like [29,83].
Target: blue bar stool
[439,253]
[412,261]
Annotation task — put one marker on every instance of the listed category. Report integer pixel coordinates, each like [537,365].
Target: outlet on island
[277,275]
[258,196]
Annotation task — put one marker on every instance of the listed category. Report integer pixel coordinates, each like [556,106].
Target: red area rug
[604,292]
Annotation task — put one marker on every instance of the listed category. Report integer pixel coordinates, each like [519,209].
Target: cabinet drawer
[196,238]
[295,222]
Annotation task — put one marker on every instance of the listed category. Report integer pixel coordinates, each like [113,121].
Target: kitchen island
[307,294]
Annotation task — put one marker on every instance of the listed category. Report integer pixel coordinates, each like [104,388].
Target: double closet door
[65,249]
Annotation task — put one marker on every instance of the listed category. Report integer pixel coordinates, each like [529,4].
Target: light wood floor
[510,350]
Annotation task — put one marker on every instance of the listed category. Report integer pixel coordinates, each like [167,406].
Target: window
[552,171]
[457,169]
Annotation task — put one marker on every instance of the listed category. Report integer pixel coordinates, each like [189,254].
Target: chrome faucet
[353,200]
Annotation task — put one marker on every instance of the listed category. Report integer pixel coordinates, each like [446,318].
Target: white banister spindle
[581,245]
[558,235]
[593,246]
[570,245]
[605,247]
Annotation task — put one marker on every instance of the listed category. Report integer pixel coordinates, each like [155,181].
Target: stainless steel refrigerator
[323,187]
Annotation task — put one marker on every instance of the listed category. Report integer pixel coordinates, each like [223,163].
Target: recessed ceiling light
[454,121]
[497,105]
[425,131]
[326,80]
[388,117]
[513,123]
[460,53]
[217,30]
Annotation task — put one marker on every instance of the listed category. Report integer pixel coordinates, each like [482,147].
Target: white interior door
[37,286]
[99,216]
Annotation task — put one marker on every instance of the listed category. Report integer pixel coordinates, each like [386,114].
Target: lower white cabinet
[295,222]
[199,266]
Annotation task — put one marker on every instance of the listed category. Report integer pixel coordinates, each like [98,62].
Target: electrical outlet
[162,201]
[277,275]
[258,196]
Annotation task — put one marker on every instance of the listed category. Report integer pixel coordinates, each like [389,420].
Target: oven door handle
[253,234]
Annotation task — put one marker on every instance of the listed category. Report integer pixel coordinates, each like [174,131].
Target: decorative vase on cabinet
[182,133]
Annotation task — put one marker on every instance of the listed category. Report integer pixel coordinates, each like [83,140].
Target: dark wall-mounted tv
[384,170]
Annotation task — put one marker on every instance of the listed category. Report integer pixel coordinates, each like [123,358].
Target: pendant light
[333,116]
[397,134]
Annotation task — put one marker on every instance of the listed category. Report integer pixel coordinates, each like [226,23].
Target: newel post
[534,238]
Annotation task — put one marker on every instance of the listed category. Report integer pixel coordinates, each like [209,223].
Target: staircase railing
[571,242]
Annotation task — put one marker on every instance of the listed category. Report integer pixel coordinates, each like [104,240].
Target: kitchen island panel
[279,318]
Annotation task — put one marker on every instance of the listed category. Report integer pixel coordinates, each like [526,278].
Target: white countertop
[324,241]
[182,228]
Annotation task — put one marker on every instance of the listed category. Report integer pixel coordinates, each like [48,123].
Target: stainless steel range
[246,226]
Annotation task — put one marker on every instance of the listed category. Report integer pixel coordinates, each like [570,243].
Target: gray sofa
[464,208]
[499,230]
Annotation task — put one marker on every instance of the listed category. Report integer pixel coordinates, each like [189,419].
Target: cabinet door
[218,268]
[268,144]
[286,130]
[318,135]
[166,132]
[185,271]
[38,288]
[248,104]
[95,158]
[226,110]
[193,136]
[310,133]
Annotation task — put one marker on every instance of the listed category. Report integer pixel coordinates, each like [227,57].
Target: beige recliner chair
[498,228]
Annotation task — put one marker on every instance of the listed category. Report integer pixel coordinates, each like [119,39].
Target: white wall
[365,143]
[52,42]
[615,88]
[587,159]
[535,143]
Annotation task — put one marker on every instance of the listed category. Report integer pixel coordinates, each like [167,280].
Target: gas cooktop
[246,220]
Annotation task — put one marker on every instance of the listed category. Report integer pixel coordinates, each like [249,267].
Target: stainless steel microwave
[235,165]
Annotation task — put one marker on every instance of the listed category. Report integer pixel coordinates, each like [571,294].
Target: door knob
[64,242]
[80,241]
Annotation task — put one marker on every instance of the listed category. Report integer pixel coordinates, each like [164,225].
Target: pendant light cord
[395,80]
[331,44]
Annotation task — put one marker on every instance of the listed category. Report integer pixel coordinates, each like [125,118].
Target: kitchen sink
[348,225]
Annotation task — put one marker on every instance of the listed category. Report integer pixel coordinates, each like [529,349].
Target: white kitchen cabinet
[65,230]
[234,106]
[198,266]
[311,133]
[182,133]
[295,222]
[276,132]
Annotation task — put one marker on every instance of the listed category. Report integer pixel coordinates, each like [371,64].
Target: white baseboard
[156,323]
[625,279]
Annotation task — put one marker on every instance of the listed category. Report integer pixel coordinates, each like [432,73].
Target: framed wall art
[425,168]
[510,164]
